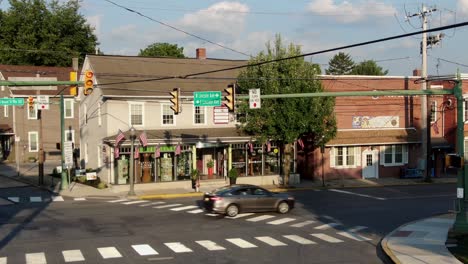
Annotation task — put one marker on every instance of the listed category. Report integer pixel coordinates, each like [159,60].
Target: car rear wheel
[232,210]
[283,207]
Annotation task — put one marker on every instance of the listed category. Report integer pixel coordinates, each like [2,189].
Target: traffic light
[31,103]
[175,100]
[230,97]
[88,83]
[73,88]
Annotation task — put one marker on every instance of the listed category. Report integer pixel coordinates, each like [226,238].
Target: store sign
[220,115]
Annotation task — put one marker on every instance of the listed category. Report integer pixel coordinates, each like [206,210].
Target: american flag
[299,141]
[119,138]
[268,146]
[116,152]
[177,149]
[157,154]
[250,147]
[435,127]
[143,139]
[137,152]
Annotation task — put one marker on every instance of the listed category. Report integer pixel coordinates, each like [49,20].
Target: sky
[243,28]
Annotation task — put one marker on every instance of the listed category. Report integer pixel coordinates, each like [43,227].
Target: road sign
[12,101]
[221,115]
[68,150]
[42,102]
[254,99]
[211,98]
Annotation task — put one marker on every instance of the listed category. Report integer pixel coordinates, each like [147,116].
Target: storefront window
[255,160]
[238,158]
[272,160]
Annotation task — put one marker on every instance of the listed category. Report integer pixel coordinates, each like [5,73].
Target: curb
[20,179]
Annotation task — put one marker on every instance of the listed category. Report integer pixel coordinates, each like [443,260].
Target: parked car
[233,199]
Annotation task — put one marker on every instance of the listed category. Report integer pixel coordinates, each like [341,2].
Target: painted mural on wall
[376,122]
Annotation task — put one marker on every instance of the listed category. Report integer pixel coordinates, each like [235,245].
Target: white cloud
[463,6]
[346,12]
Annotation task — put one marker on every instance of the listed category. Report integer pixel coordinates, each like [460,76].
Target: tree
[340,64]
[163,50]
[368,67]
[33,32]
[286,119]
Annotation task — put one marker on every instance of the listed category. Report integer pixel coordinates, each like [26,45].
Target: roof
[124,75]
[375,137]
[14,71]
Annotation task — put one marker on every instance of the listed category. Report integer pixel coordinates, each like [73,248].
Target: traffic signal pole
[64,182]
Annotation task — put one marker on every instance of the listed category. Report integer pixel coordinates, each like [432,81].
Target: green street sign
[12,101]
[211,98]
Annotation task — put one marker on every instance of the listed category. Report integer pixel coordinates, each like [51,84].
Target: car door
[244,199]
[264,200]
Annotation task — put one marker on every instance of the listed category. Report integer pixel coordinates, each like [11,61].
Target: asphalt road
[333,226]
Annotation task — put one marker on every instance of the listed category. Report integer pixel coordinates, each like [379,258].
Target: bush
[81,179]
[102,185]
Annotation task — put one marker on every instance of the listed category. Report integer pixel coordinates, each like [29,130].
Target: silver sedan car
[233,199]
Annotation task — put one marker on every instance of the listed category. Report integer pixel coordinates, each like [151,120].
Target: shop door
[370,164]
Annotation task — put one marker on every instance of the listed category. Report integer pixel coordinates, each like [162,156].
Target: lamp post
[131,192]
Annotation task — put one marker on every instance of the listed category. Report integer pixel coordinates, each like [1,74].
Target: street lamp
[132,160]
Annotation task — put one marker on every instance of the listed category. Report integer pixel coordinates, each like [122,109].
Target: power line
[177,29]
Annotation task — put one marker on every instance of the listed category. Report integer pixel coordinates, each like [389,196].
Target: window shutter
[405,154]
[357,155]
[332,157]
[382,155]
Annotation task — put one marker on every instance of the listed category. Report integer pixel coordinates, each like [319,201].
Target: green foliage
[34,32]
[210,163]
[285,119]
[162,50]
[340,64]
[368,67]
[194,174]
[233,173]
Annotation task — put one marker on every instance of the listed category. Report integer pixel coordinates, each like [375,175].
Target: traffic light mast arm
[40,83]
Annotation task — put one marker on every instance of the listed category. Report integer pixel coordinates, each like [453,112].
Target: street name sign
[210,98]
[254,99]
[12,101]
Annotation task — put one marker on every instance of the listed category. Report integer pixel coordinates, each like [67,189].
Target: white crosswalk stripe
[79,199]
[144,250]
[356,229]
[153,203]
[354,236]
[271,241]
[210,245]
[197,211]
[36,258]
[178,247]
[35,199]
[109,252]
[14,199]
[57,199]
[302,224]
[184,208]
[117,201]
[240,215]
[3,260]
[72,255]
[241,243]
[327,238]
[260,218]
[167,206]
[135,202]
[327,226]
[299,239]
[281,221]
[211,214]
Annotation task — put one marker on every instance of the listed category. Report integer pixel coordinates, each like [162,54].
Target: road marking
[210,245]
[109,252]
[281,221]
[80,199]
[240,215]
[3,260]
[211,214]
[196,211]
[327,226]
[153,203]
[14,199]
[356,229]
[57,199]
[184,208]
[35,199]
[327,238]
[144,250]
[271,241]
[302,224]
[241,243]
[36,258]
[260,218]
[178,247]
[135,202]
[72,255]
[300,240]
[354,236]
[358,194]
[166,206]
[118,201]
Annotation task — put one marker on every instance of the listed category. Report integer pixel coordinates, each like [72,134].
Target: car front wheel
[232,210]
[283,207]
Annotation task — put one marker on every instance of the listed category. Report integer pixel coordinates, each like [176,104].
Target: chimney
[416,72]
[201,53]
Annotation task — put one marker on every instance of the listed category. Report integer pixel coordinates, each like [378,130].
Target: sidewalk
[421,242]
